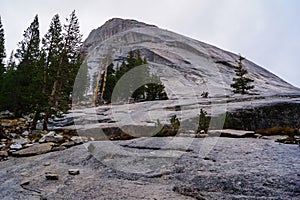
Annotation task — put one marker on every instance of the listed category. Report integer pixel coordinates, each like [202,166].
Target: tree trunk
[45,123]
[58,91]
[34,121]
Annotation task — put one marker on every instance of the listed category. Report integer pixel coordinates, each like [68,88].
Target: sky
[266,32]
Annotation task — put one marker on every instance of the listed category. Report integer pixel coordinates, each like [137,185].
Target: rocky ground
[157,168]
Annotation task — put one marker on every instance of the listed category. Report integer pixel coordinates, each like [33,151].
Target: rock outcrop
[185,65]
[187,68]
[165,168]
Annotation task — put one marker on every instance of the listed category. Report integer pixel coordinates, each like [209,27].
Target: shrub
[204,121]
[175,123]
[204,94]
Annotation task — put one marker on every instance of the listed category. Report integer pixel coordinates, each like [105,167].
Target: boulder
[25,133]
[231,133]
[51,137]
[15,146]
[51,176]
[68,144]
[79,139]
[35,149]
[21,141]
[74,171]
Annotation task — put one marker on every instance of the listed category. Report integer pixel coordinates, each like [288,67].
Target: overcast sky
[266,32]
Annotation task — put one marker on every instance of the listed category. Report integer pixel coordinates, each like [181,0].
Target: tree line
[38,78]
[155,90]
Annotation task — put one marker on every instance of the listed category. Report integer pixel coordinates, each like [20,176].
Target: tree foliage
[204,121]
[22,81]
[2,51]
[148,92]
[241,84]
[41,80]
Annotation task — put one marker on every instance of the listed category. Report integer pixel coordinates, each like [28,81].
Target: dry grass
[278,130]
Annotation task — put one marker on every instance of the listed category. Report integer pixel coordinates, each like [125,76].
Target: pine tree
[11,64]
[51,51]
[148,92]
[69,62]
[67,66]
[2,52]
[111,81]
[155,90]
[204,121]
[241,83]
[2,67]
[28,71]
[51,48]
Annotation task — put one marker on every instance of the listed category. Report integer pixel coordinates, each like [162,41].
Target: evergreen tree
[27,75]
[111,81]
[155,90]
[51,55]
[241,83]
[69,63]
[8,87]
[2,52]
[204,121]
[51,48]
[11,64]
[2,66]
[149,92]
[67,66]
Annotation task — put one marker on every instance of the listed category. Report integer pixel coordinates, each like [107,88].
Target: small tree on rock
[204,121]
[241,84]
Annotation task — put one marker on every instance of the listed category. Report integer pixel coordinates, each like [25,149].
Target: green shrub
[204,121]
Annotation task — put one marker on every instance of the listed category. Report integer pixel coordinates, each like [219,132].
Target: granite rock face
[187,68]
[185,65]
[158,168]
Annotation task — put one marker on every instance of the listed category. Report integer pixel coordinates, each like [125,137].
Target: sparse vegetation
[36,135]
[290,132]
[204,94]
[168,130]
[175,123]
[278,130]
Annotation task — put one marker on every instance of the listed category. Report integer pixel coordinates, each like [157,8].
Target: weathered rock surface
[159,168]
[35,149]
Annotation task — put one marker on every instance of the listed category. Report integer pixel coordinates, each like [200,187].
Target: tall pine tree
[67,66]
[25,79]
[2,52]
[2,67]
[52,45]
[241,84]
